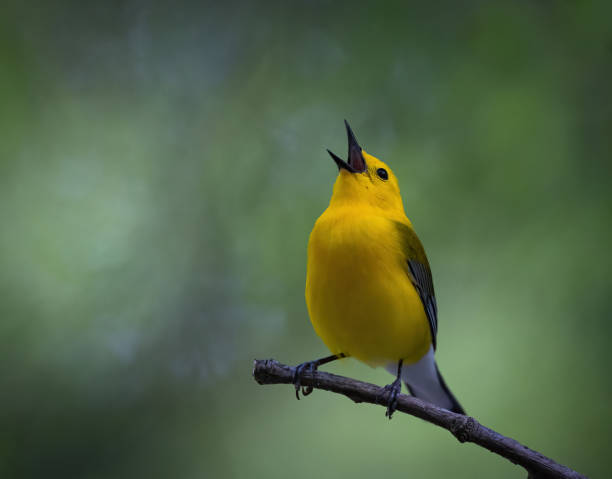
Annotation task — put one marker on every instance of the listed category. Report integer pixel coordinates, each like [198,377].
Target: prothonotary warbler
[369,289]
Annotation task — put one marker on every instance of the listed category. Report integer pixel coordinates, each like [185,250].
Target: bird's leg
[394,389]
[311,366]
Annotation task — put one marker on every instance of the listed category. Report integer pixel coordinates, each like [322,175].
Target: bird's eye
[382,174]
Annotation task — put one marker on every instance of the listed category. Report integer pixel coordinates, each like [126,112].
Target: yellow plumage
[359,294]
[369,288]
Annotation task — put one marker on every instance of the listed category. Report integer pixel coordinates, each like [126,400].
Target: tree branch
[464,428]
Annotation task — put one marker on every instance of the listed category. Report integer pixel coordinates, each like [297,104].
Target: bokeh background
[162,166]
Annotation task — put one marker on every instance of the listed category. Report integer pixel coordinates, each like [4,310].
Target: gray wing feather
[420,275]
[422,281]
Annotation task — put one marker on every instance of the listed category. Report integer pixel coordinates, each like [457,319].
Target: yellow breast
[359,295]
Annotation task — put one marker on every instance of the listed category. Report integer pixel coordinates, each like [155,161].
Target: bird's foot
[393,390]
[311,367]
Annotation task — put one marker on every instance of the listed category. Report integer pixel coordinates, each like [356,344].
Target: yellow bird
[369,289]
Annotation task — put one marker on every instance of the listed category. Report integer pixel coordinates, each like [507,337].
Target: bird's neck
[356,209]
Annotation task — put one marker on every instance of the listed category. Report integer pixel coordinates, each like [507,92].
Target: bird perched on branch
[369,289]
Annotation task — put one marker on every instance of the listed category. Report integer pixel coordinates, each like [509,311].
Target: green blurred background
[162,166]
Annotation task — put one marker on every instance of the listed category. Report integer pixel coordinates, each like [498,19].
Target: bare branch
[464,428]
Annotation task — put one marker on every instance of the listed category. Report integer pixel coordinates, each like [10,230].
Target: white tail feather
[424,381]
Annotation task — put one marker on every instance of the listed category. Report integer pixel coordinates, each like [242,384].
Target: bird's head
[365,181]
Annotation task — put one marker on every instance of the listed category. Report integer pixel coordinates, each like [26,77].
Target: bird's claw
[394,389]
[310,366]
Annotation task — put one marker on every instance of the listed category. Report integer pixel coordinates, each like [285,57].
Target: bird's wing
[420,275]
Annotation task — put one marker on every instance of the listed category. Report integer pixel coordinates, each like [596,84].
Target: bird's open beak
[356,163]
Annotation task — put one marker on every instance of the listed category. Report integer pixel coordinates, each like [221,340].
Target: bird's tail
[424,381]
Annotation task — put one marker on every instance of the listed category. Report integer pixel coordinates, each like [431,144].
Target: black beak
[356,163]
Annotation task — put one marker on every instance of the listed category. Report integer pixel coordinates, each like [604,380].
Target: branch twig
[464,428]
